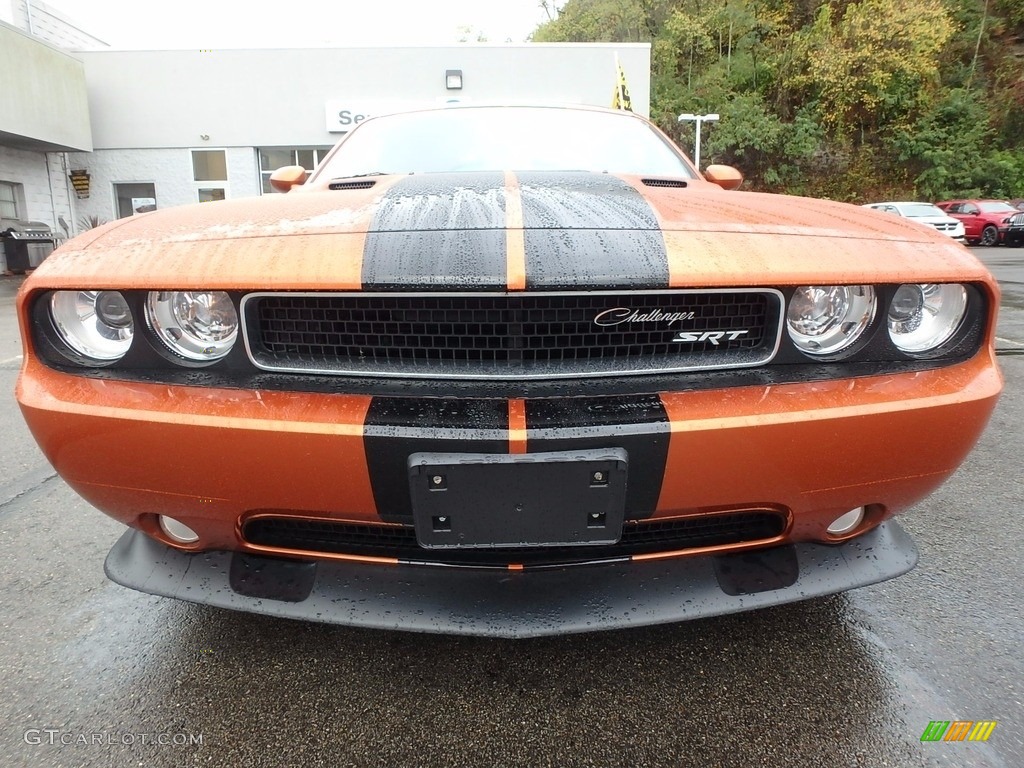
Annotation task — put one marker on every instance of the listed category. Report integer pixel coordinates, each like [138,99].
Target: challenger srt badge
[620,315]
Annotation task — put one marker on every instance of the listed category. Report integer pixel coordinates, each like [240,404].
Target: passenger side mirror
[724,176]
[283,179]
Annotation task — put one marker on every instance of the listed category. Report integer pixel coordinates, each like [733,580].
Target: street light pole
[698,119]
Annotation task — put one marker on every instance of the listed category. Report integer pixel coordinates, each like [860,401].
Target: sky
[160,24]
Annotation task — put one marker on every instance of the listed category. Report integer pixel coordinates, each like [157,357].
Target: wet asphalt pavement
[127,679]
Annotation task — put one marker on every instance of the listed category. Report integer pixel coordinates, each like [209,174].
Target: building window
[8,200]
[210,165]
[211,194]
[134,197]
[272,158]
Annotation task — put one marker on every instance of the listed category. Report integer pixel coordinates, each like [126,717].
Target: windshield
[917,210]
[504,138]
[996,207]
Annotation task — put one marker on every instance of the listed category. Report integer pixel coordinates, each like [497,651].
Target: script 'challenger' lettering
[620,315]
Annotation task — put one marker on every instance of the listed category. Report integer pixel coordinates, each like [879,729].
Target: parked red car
[984,220]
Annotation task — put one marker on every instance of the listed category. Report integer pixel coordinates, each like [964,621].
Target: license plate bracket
[482,501]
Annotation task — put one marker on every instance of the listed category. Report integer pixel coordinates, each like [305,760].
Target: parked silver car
[925,213]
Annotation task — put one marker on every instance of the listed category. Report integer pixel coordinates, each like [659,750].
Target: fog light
[178,531]
[846,523]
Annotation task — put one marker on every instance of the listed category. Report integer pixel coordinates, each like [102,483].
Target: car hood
[559,230]
[935,219]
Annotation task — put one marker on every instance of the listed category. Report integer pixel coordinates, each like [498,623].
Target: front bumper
[510,604]
[214,457]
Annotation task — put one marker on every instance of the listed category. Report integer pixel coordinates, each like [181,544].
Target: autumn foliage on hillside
[868,100]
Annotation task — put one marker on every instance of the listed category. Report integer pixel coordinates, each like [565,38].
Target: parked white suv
[925,213]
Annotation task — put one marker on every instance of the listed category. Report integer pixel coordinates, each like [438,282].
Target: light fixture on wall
[453,79]
[80,181]
[204,136]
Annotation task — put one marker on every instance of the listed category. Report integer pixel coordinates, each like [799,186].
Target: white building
[180,127]
[166,128]
[44,113]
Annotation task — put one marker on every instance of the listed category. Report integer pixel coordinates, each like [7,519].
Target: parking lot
[94,674]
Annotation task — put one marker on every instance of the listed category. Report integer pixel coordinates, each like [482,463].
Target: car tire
[989,236]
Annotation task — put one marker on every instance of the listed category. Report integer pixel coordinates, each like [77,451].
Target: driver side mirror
[283,179]
[724,176]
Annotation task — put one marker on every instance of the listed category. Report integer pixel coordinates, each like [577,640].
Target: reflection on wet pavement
[806,684]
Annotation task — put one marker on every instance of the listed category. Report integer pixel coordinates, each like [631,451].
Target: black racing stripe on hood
[397,427]
[637,423]
[589,230]
[438,231]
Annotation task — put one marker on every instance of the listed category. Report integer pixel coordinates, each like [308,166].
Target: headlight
[197,325]
[923,317]
[826,319]
[96,324]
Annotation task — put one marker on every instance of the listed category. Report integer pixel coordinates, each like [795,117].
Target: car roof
[453,106]
[903,202]
[976,200]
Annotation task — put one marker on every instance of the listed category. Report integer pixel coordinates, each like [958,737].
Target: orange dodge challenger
[508,371]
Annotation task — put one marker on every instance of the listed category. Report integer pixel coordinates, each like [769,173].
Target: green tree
[949,151]
[870,66]
[596,21]
[851,99]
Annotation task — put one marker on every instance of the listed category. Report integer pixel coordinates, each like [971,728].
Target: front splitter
[500,603]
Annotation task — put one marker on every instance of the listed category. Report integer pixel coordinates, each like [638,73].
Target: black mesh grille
[638,537]
[512,335]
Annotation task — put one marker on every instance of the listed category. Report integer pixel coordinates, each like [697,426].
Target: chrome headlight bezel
[943,306]
[86,332]
[176,319]
[826,322]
